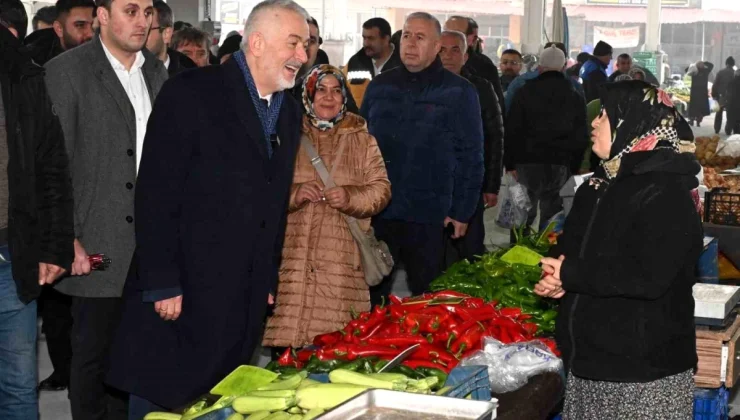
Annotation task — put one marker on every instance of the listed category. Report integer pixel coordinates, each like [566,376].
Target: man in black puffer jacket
[453,55]
[544,135]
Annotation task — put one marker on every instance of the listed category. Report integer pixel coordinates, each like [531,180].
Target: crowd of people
[223,186]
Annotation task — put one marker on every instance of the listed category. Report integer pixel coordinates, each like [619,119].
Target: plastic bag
[729,147]
[515,204]
[511,365]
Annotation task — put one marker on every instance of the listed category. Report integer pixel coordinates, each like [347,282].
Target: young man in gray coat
[103,92]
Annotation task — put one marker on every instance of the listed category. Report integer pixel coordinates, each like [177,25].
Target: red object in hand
[99,262]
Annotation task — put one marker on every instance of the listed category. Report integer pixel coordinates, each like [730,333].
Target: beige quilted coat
[321,276]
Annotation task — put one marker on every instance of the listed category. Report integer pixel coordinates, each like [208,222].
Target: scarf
[311,84]
[268,115]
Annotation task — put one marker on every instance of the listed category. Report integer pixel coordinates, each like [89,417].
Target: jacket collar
[426,74]
[14,62]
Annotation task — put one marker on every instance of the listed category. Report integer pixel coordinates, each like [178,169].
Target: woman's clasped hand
[550,285]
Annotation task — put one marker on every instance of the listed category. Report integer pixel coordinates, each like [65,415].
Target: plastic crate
[722,208]
[711,404]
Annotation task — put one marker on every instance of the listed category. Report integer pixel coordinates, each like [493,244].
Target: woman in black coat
[624,266]
[699,104]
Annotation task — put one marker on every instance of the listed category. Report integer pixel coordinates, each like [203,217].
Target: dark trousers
[543,183]
[718,122]
[95,321]
[419,247]
[139,407]
[56,311]
[471,244]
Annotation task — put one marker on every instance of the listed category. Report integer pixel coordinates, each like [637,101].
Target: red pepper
[440,338]
[531,328]
[473,302]
[511,312]
[468,340]
[389,329]
[395,300]
[504,336]
[372,331]
[484,313]
[447,294]
[328,339]
[424,296]
[355,351]
[304,355]
[400,341]
[410,307]
[431,352]
[414,364]
[287,358]
[550,343]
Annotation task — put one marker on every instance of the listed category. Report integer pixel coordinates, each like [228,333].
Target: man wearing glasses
[511,66]
[160,38]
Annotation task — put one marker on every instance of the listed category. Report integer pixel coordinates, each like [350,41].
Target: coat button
[129,219]
[129,186]
[130,152]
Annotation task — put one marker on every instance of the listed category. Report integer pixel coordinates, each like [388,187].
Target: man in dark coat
[478,63]
[544,131]
[211,210]
[699,103]
[159,38]
[453,54]
[719,93]
[36,227]
[428,125]
[72,28]
[593,71]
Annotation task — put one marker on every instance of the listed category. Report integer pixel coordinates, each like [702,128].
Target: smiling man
[103,93]
[211,209]
[428,125]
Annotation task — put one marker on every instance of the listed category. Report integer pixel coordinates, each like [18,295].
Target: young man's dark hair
[190,35]
[164,14]
[624,57]
[46,15]
[730,62]
[513,52]
[383,26]
[13,16]
[65,6]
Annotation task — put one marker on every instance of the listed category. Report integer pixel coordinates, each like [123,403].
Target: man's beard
[69,41]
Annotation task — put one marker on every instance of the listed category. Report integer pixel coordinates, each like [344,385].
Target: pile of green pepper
[511,285]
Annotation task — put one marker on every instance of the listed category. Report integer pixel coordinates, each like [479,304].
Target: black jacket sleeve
[493,138]
[514,128]
[595,80]
[53,186]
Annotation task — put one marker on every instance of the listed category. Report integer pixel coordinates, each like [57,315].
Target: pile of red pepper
[448,325]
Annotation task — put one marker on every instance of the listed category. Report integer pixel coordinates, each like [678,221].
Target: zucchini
[290,382]
[295,410]
[260,415]
[161,415]
[341,376]
[278,415]
[308,382]
[312,414]
[235,416]
[393,377]
[326,396]
[278,393]
[249,405]
[295,417]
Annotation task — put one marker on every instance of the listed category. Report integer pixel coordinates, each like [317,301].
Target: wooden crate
[719,356]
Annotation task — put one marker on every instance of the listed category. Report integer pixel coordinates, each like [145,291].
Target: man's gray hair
[258,12]
[429,18]
[460,36]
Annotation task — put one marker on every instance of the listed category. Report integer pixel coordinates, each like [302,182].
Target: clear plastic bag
[515,204]
[729,147]
[511,365]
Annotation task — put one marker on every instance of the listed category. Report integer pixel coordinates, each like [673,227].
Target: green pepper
[549,315]
[366,364]
[380,364]
[285,371]
[272,365]
[427,372]
[411,373]
[318,366]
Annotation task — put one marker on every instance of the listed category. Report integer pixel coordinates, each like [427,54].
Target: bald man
[206,262]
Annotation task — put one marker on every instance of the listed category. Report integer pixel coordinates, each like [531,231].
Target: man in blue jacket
[428,125]
[593,72]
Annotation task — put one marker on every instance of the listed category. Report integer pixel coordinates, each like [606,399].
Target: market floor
[55,405]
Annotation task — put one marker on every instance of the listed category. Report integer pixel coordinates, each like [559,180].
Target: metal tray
[381,404]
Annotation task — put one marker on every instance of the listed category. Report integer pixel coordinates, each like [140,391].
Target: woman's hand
[550,285]
[337,198]
[308,191]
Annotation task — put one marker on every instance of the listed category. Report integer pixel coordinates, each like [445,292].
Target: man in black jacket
[453,54]
[36,231]
[478,64]
[72,28]
[159,39]
[719,93]
[544,130]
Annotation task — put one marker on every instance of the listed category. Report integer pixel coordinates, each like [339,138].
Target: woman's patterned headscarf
[642,118]
[311,84]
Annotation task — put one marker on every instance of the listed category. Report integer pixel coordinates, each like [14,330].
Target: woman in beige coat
[321,276]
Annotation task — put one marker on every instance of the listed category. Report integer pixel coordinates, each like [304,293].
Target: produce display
[507,277]
[296,397]
[707,152]
[447,325]
[681,93]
